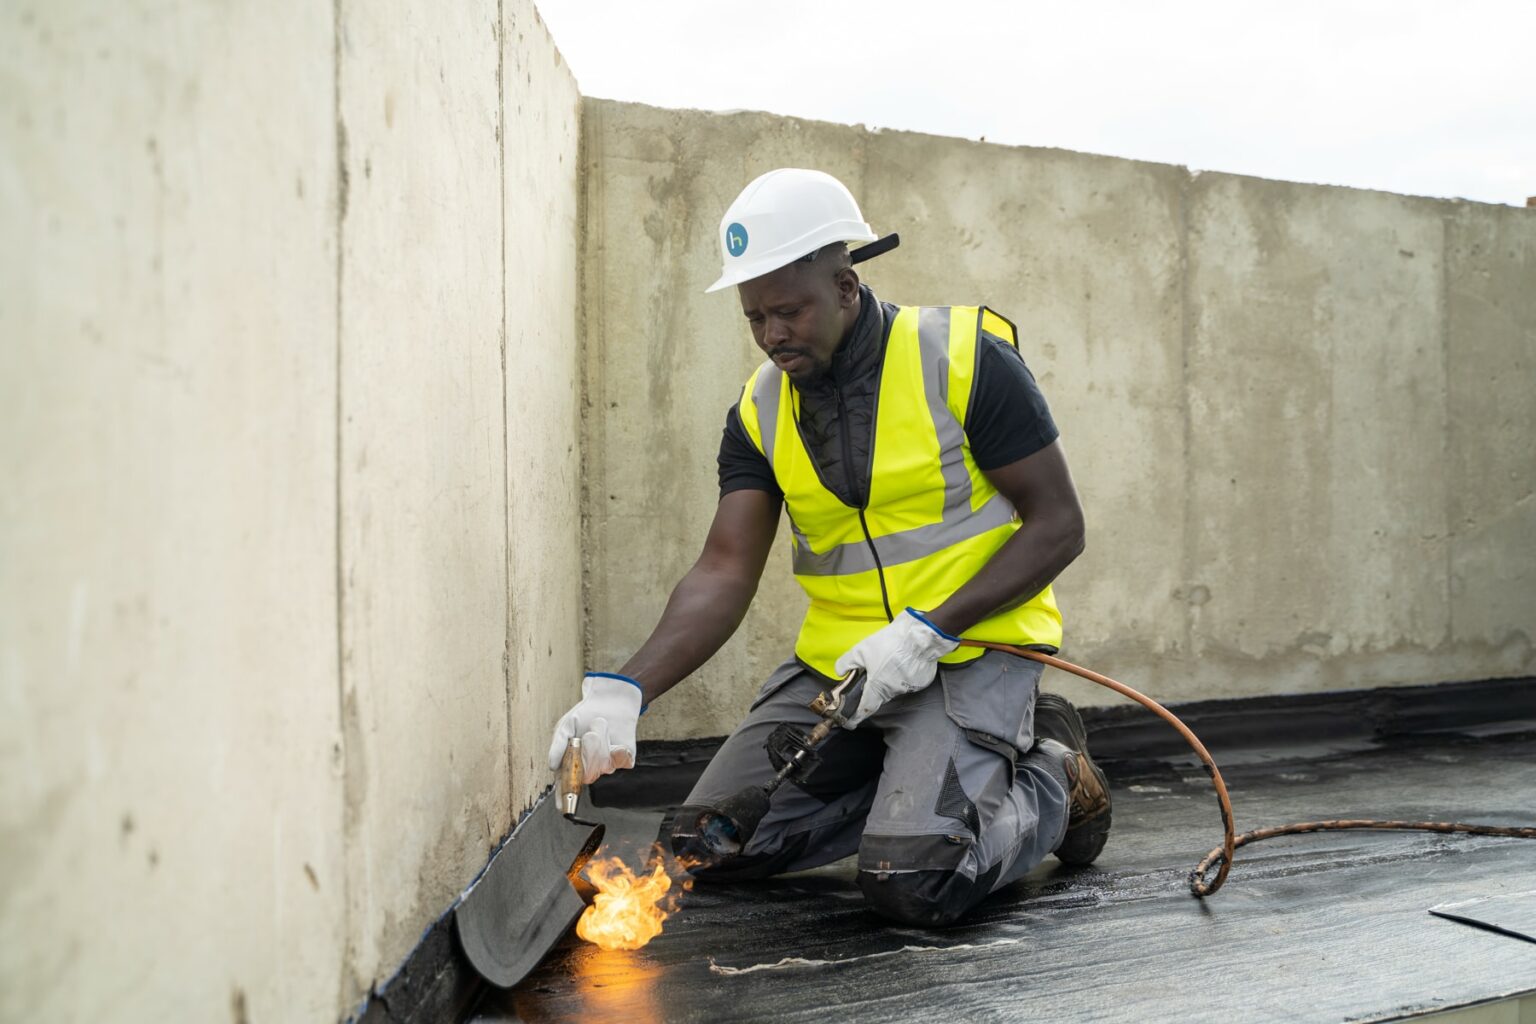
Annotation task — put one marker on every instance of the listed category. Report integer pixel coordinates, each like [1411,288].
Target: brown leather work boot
[1088,790]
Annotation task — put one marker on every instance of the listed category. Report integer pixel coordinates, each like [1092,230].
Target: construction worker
[929,500]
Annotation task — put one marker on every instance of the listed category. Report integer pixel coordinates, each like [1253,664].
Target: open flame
[627,911]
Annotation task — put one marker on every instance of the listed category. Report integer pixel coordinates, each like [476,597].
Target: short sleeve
[742,466]
[1008,418]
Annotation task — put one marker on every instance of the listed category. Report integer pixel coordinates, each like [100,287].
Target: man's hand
[901,658]
[605,721]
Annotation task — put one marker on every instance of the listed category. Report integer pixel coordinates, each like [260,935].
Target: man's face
[800,314]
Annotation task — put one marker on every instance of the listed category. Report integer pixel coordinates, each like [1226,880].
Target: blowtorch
[724,830]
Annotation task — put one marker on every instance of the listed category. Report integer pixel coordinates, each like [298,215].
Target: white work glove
[605,720]
[902,658]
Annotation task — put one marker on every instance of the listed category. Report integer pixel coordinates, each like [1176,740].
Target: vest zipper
[885,597]
[862,501]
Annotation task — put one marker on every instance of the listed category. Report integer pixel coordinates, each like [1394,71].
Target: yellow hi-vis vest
[932,519]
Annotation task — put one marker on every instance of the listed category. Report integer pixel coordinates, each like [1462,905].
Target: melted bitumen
[1326,927]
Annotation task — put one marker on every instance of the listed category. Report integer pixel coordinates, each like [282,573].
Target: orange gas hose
[1220,858]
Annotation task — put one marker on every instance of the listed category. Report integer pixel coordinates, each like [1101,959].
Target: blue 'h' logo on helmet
[735,239]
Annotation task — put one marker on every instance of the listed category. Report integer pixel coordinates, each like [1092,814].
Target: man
[929,500]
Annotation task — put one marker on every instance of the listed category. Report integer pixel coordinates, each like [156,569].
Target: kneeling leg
[952,819]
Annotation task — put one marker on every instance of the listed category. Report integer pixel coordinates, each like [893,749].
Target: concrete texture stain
[354,763]
[238,1013]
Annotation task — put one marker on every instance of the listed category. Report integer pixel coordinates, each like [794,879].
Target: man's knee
[920,880]
[924,899]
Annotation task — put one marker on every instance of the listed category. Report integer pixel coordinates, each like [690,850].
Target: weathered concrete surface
[1317,444]
[290,547]
[1297,415]
[170,789]
[541,272]
[423,523]
[460,487]
[1490,358]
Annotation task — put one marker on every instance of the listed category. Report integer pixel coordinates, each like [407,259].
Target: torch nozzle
[722,832]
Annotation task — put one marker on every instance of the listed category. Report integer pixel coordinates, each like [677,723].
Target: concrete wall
[287,556]
[1300,417]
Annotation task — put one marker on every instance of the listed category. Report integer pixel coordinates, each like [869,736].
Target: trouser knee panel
[924,899]
[921,880]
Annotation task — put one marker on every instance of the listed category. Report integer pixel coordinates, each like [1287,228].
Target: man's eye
[788,313]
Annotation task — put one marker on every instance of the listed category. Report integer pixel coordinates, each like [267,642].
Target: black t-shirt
[1007,420]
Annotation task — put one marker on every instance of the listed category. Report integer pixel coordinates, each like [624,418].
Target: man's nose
[775,332]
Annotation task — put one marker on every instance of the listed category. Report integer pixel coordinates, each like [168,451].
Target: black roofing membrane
[1328,927]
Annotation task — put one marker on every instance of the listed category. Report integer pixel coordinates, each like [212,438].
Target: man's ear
[847,287]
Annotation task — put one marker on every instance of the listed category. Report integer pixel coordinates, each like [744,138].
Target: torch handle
[572,777]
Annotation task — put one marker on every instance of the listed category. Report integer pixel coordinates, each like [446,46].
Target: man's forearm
[704,610]
[1033,557]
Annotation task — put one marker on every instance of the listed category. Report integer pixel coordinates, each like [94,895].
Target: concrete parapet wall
[1300,417]
[288,555]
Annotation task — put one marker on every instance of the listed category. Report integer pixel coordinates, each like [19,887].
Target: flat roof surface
[1323,927]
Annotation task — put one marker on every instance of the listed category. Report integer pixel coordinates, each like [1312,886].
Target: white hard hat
[782,216]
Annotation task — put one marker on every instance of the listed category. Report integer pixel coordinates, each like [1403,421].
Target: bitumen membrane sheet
[1323,927]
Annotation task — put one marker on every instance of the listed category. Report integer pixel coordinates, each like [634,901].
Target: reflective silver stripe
[933,345]
[906,546]
[802,542]
[765,395]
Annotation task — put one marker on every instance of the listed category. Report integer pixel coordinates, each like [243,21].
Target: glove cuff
[925,620]
[595,681]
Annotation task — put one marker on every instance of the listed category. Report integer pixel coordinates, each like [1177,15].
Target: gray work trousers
[931,791]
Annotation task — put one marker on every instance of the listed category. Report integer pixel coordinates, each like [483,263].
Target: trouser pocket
[776,681]
[993,700]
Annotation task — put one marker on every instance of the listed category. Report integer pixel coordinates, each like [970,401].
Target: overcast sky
[1421,98]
